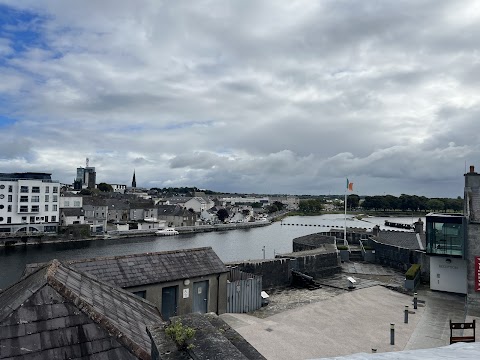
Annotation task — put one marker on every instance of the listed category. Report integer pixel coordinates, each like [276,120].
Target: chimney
[472,169]
[419,226]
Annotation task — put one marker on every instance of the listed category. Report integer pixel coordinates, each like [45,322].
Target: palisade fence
[243,291]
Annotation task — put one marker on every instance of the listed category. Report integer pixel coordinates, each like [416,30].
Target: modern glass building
[446,235]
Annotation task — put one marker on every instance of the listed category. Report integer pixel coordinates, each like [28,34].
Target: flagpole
[345,230]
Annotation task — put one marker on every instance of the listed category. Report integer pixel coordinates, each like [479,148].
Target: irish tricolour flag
[349,185]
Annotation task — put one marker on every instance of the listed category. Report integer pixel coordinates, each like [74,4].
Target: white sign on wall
[186,293]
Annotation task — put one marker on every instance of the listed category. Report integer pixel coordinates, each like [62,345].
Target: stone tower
[134,182]
[471,202]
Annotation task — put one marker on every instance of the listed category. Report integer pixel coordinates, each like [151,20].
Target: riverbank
[35,239]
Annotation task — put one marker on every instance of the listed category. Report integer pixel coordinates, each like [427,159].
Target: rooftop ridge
[116,257]
[90,311]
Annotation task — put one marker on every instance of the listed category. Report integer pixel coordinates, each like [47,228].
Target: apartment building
[29,202]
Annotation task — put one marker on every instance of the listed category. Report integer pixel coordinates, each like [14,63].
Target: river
[233,245]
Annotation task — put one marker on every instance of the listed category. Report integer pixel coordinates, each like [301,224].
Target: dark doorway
[169,302]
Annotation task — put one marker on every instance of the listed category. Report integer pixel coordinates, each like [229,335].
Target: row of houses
[34,202]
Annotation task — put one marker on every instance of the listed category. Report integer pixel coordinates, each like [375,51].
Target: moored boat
[166,232]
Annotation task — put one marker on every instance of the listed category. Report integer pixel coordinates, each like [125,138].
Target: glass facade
[446,235]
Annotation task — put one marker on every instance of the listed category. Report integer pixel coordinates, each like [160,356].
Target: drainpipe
[218,291]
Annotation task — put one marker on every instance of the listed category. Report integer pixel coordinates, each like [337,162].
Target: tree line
[409,203]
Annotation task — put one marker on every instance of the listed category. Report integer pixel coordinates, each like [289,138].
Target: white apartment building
[29,202]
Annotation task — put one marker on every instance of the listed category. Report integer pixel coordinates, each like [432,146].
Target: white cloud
[250,96]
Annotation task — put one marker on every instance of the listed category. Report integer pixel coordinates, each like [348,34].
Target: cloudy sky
[244,96]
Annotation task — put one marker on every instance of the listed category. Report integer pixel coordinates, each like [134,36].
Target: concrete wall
[217,293]
[448,274]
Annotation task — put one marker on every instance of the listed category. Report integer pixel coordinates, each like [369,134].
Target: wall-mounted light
[448,261]
[186,282]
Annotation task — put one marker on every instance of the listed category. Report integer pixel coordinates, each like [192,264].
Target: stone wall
[277,272]
[400,258]
[311,242]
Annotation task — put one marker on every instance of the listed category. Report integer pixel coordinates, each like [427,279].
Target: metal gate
[243,291]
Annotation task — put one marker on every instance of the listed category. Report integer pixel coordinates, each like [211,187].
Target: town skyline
[248,97]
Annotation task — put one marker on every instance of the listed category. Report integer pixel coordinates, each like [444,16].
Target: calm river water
[233,245]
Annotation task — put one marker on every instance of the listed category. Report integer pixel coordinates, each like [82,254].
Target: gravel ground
[282,299]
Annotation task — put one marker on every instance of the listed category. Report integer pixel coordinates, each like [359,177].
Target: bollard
[415,301]
[406,314]
[392,334]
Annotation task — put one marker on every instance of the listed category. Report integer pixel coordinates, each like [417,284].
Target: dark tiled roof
[58,312]
[151,268]
[407,240]
[72,211]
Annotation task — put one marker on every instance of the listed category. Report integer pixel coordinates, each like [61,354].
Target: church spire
[134,182]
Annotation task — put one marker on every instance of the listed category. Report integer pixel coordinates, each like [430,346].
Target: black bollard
[415,300]
[406,314]
[392,334]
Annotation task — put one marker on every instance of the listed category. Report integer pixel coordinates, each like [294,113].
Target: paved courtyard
[334,321]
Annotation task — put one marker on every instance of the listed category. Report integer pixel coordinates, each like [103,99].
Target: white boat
[166,232]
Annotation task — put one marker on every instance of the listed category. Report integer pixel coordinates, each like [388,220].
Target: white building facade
[29,202]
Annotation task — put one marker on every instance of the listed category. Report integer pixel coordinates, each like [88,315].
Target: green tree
[311,206]
[353,201]
[104,187]
[222,214]
[435,204]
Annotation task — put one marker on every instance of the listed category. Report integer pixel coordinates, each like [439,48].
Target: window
[23,208]
[142,294]
[9,208]
[76,203]
[55,198]
[2,206]
[10,188]
[2,196]
[32,219]
[9,220]
[47,199]
[2,186]
[35,208]
[1,219]
[47,189]
[67,203]
[24,189]
[24,218]
[23,198]
[10,198]
[54,208]
[46,207]
[55,189]
[35,198]
[35,189]
[446,235]
[54,218]
[46,218]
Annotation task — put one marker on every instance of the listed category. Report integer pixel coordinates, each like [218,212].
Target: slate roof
[58,312]
[150,268]
[72,211]
[407,240]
